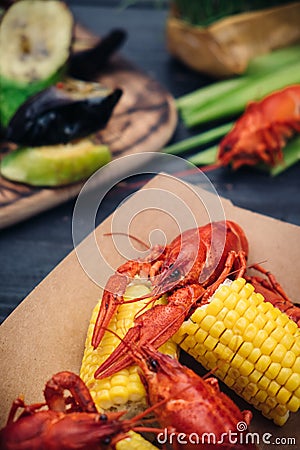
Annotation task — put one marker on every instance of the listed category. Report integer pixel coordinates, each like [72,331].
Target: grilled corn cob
[254,347]
[123,390]
[134,441]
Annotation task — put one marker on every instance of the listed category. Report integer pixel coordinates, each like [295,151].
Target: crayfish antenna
[131,236]
[210,167]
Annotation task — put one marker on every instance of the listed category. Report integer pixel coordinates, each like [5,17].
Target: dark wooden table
[31,249]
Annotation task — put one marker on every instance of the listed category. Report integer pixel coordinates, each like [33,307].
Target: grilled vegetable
[87,63]
[124,390]
[254,348]
[35,41]
[61,113]
[54,166]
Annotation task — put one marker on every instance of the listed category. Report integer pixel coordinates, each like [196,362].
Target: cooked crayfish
[262,131]
[68,423]
[190,269]
[192,409]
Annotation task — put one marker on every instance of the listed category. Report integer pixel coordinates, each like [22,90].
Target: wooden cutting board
[143,121]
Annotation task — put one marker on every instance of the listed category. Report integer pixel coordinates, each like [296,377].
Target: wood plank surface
[144,120]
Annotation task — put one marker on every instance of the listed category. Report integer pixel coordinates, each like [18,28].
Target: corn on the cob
[134,441]
[254,347]
[123,390]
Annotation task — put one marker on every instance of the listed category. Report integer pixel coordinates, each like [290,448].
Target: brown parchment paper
[46,332]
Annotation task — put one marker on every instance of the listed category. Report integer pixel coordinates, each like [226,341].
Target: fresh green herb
[291,155]
[234,102]
[200,139]
[261,65]
[205,12]
[206,157]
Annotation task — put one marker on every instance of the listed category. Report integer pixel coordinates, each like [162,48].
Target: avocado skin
[54,165]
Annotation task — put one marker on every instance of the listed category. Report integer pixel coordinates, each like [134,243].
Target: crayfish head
[183,264]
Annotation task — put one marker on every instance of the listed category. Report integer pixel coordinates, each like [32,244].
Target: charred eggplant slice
[70,110]
[86,64]
[35,41]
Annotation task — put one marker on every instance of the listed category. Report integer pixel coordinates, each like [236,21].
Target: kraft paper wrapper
[225,48]
[46,332]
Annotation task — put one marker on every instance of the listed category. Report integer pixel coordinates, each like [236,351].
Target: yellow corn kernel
[296,365]
[255,376]
[273,388]
[245,349]
[251,389]
[288,359]
[263,363]
[212,308]
[288,339]
[240,285]
[283,395]
[251,313]
[277,334]
[271,402]
[281,410]
[247,290]
[261,396]
[297,392]
[250,332]
[210,342]
[231,301]
[119,395]
[229,381]
[207,322]
[211,359]
[293,404]
[280,420]
[217,329]
[278,353]
[254,355]
[273,370]
[199,314]
[260,338]
[283,375]
[240,325]
[123,390]
[291,327]
[255,348]
[134,441]
[190,341]
[263,382]
[226,337]
[201,335]
[260,321]
[223,352]
[293,382]
[246,368]
[230,319]
[136,391]
[282,320]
